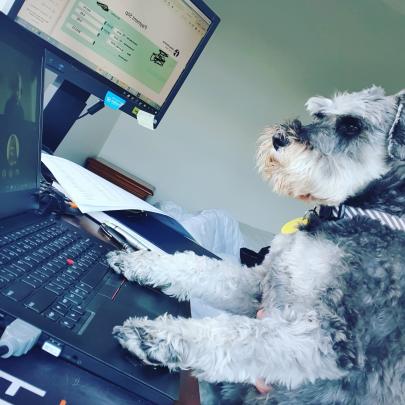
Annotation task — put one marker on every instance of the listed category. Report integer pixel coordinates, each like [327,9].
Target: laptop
[54,275]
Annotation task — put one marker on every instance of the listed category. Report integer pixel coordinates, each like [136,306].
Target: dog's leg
[232,348]
[221,284]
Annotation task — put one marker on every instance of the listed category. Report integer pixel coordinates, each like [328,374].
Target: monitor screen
[21,88]
[20,103]
[145,48]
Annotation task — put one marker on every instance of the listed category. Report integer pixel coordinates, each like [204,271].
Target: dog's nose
[280,141]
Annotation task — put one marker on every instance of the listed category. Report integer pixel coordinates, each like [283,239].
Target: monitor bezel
[81,75]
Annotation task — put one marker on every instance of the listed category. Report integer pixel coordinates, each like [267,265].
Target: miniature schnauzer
[322,319]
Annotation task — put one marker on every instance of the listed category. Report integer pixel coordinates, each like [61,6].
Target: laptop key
[18,290]
[74,298]
[66,278]
[3,282]
[40,276]
[52,315]
[40,301]
[32,281]
[14,269]
[62,309]
[4,258]
[80,293]
[84,287]
[23,265]
[55,288]
[72,273]
[61,283]
[73,315]
[67,323]
[7,275]
[28,260]
[79,308]
[9,253]
[47,269]
[65,302]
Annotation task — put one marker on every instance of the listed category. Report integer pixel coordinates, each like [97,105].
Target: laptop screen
[20,116]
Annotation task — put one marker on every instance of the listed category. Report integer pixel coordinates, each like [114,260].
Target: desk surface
[61,380]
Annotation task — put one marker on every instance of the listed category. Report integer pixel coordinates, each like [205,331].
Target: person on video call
[13,108]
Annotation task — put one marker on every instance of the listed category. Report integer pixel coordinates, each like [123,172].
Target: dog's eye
[319,116]
[349,126]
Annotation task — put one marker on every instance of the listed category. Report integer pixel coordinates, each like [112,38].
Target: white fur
[305,265]
[221,284]
[235,348]
[366,104]
[286,347]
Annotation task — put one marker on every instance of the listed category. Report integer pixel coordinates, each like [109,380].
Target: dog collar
[346,211]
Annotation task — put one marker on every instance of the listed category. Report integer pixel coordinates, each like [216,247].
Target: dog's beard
[288,170]
[304,173]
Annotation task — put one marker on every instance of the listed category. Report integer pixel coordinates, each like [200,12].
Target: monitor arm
[61,112]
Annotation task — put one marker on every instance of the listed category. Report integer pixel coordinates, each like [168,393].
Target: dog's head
[352,140]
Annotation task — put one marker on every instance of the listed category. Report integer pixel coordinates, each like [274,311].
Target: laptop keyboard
[52,270]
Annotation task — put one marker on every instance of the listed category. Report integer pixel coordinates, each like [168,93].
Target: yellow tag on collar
[292,226]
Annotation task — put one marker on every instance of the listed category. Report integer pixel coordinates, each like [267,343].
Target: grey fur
[332,293]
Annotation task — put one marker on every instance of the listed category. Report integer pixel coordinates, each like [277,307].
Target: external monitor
[133,54]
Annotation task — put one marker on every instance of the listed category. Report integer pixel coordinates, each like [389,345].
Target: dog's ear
[396,136]
[318,104]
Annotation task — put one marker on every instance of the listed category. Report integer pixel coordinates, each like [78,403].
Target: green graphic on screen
[96,26]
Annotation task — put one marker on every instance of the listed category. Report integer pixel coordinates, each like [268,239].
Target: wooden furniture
[120,177]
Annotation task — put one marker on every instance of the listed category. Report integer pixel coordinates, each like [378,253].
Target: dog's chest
[300,266]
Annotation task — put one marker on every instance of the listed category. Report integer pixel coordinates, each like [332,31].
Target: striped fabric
[393,221]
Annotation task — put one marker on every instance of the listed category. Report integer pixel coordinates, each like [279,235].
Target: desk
[74,385]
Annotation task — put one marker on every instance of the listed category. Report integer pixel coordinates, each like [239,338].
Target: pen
[129,238]
[116,237]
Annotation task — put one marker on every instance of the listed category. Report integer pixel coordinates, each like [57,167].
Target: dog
[321,320]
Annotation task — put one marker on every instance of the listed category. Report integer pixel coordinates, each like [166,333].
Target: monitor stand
[61,113]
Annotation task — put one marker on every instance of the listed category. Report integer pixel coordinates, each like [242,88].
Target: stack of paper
[90,192]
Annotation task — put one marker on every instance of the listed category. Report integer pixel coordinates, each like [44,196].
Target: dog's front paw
[149,341]
[136,266]
[115,260]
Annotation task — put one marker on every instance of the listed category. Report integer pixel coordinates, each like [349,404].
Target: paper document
[91,192]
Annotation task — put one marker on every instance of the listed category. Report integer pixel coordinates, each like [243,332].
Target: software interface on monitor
[141,45]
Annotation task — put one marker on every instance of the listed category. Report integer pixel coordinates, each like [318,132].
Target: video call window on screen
[19,88]
[142,46]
